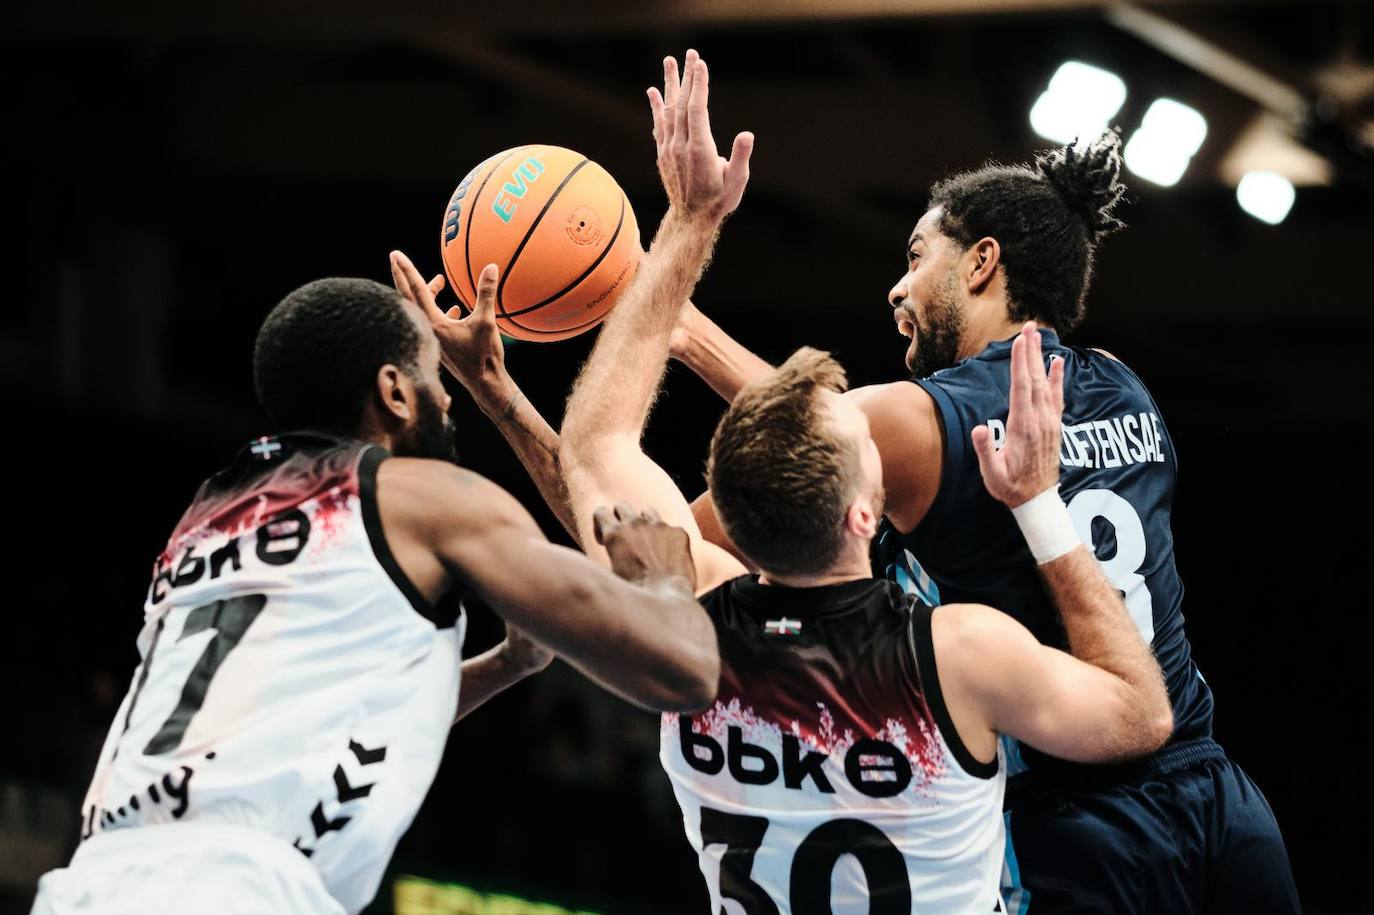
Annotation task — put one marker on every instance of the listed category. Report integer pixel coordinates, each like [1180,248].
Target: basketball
[559,227]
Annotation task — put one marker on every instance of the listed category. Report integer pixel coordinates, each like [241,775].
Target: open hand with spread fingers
[471,345]
[698,180]
[1027,464]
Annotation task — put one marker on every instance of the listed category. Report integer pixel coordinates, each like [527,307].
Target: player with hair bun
[1184,829]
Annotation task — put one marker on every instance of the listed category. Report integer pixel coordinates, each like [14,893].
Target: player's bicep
[713,531]
[622,472]
[1042,696]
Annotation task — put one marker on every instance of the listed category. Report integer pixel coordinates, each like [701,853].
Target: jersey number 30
[809,884]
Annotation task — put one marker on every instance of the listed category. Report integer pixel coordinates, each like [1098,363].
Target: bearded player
[1185,830]
[302,641]
[850,763]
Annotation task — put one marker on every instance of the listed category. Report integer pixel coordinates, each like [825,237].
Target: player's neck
[848,569]
[370,430]
[978,336]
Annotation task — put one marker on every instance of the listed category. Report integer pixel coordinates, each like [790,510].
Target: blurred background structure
[176,168]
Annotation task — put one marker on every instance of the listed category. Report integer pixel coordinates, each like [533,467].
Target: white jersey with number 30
[827,777]
[288,683]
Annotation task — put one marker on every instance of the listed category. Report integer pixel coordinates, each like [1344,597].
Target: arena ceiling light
[1078,104]
[1267,196]
[1169,135]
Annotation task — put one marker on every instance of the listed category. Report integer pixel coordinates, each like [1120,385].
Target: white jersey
[293,681]
[827,776]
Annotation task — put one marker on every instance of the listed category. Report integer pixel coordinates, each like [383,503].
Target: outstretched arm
[713,355]
[601,454]
[473,353]
[646,639]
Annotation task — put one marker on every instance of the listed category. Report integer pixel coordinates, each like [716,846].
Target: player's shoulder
[1111,366]
[896,407]
[966,623]
[901,396]
[426,490]
[970,632]
[409,476]
[974,644]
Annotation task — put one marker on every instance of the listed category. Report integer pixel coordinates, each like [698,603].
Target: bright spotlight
[1165,143]
[1079,102]
[1266,196]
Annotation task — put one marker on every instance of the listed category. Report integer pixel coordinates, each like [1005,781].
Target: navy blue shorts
[1190,834]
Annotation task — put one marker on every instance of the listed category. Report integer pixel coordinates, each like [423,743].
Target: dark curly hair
[1047,217]
[318,352]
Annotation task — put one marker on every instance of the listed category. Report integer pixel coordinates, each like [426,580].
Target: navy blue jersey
[1118,471]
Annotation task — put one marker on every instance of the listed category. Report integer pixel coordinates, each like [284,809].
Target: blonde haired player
[850,761]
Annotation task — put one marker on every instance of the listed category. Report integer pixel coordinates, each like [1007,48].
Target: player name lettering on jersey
[873,767]
[277,542]
[174,797]
[1134,438]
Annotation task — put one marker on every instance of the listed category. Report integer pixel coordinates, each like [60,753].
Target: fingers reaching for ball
[470,347]
[697,179]
[487,283]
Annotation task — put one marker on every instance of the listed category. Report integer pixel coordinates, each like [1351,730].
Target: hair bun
[1088,178]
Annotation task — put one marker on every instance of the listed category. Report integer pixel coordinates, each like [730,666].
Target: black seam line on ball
[505,274]
[585,273]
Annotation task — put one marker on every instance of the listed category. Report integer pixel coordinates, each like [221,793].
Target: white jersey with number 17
[288,683]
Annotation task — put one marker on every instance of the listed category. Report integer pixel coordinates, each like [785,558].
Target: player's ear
[861,519]
[396,393]
[983,258]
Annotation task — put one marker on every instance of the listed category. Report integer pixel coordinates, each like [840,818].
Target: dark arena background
[176,168]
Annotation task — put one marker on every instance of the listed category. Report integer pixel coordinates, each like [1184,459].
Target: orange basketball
[559,227]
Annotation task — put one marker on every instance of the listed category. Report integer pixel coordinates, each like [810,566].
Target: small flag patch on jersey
[783,626]
[265,448]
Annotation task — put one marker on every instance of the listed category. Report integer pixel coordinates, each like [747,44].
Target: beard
[879,499]
[433,435]
[937,339]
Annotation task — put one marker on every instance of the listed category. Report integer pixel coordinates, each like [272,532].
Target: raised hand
[1027,464]
[471,346]
[698,180]
[643,548]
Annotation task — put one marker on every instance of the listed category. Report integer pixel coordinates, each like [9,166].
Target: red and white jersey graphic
[823,778]
[292,679]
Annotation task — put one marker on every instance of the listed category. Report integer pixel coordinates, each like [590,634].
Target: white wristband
[1047,527]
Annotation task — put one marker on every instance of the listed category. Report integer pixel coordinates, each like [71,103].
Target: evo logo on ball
[524,175]
[455,206]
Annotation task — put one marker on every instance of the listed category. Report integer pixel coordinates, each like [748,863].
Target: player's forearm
[1101,632]
[678,638]
[714,356]
[650,643]
[617,386]
[487,675]
[530,436]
